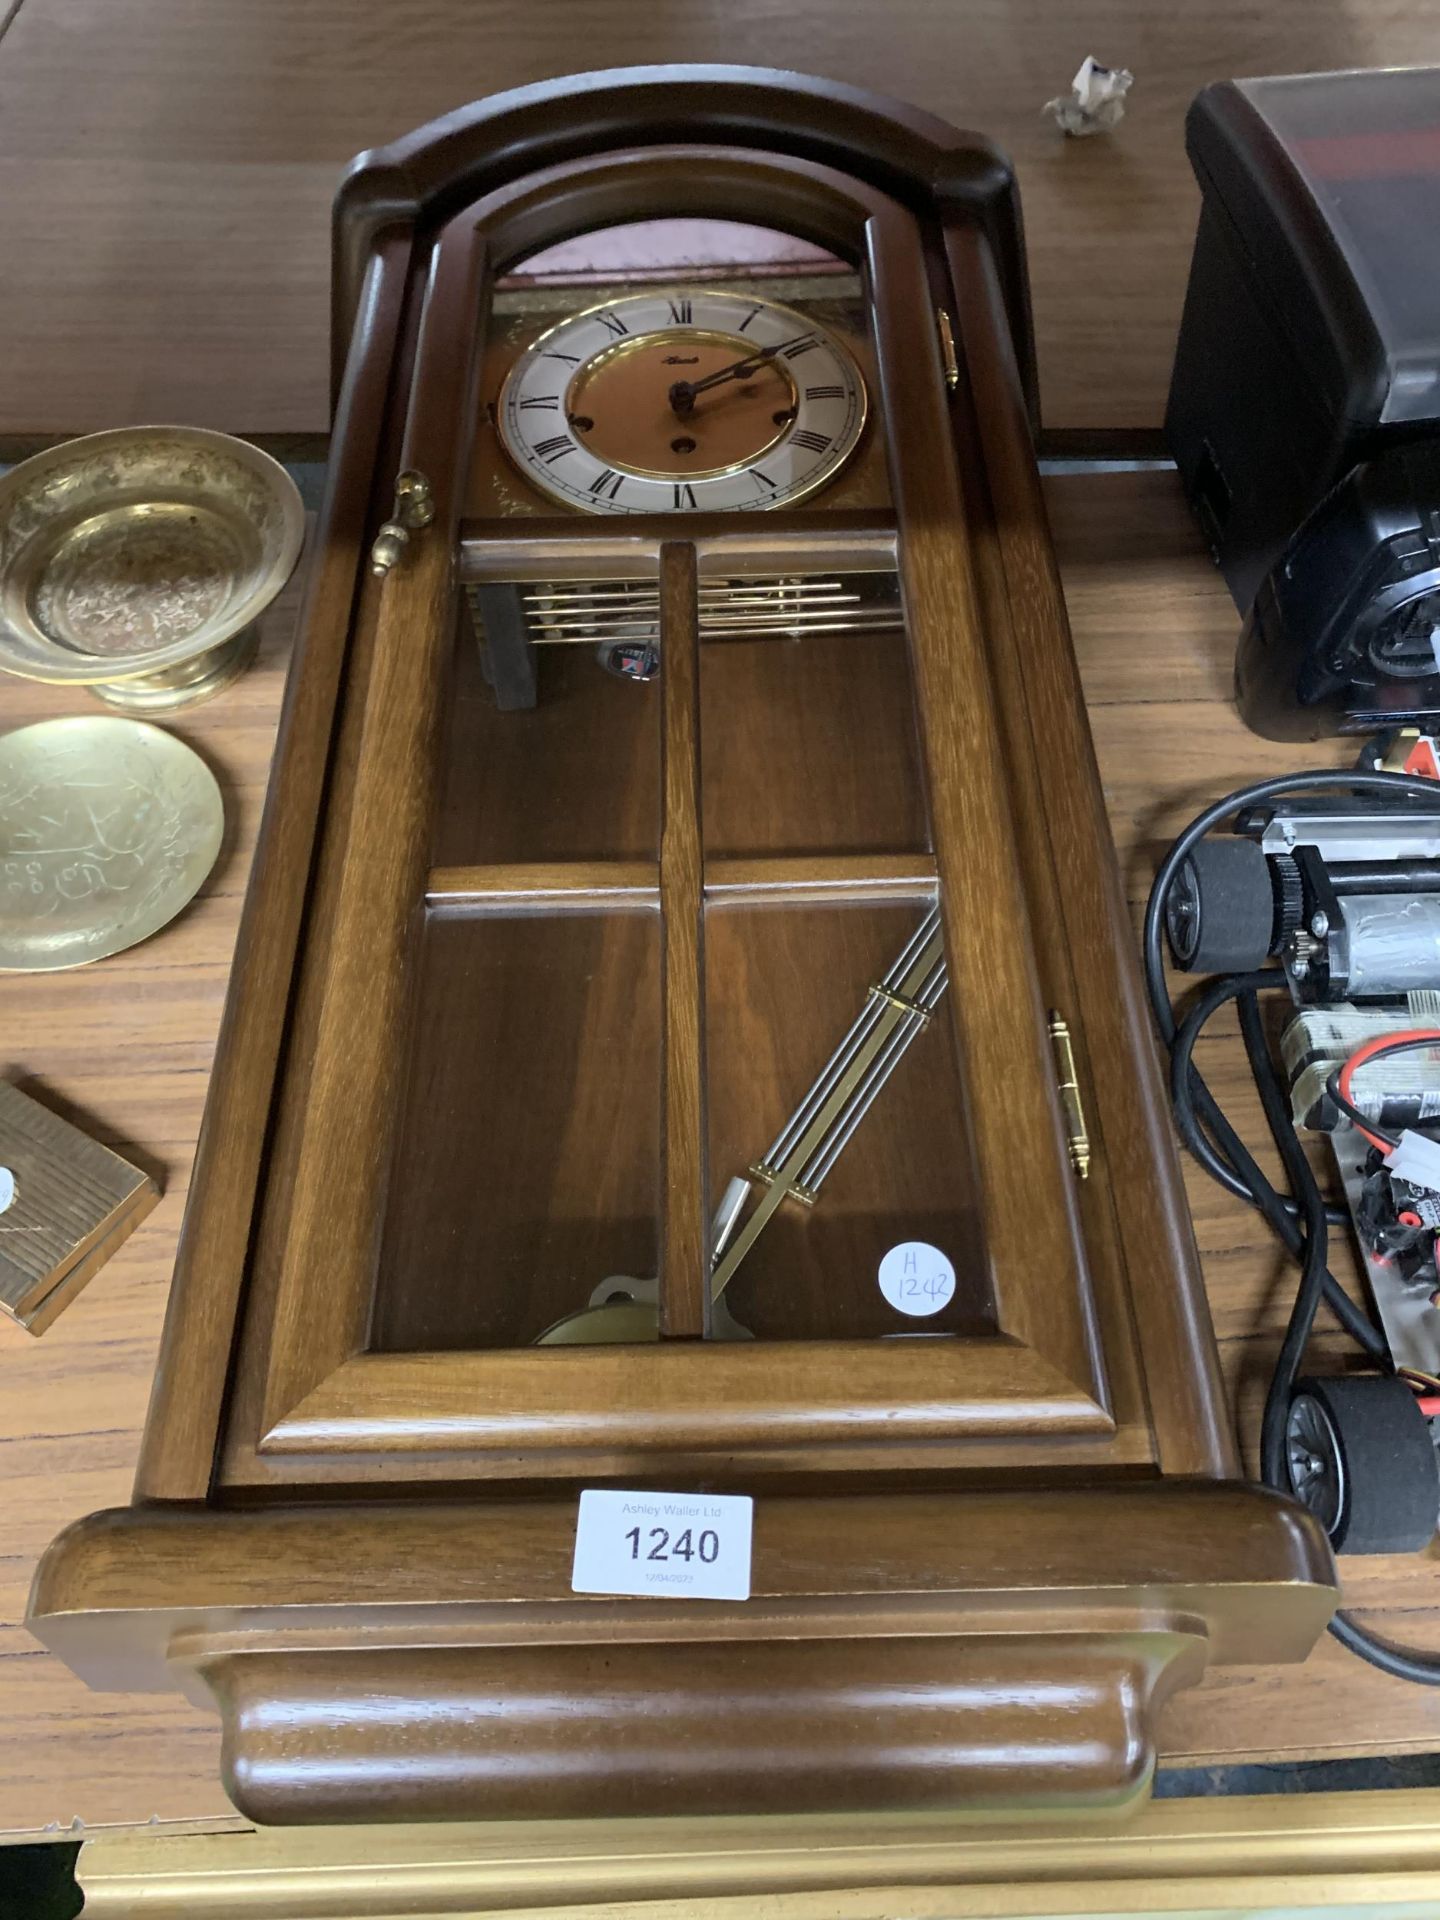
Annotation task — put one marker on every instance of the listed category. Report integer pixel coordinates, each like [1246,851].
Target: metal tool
[817,1133]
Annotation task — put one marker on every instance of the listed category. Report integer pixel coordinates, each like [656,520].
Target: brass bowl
[136,562]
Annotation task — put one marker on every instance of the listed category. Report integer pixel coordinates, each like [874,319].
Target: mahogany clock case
[539,955]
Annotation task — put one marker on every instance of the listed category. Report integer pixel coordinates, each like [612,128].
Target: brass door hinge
[414,508]
[1076,1131]
[947,347]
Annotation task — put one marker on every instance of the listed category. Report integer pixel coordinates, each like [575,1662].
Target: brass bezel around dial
[534,414]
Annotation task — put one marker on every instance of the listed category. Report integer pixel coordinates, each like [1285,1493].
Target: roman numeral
[796,347]
[681,312]
[570,359]
[606,484]
[824,393]
[684,495]
[555,448]
[613,325]
[813,442]
[763,479]
[547,403]
[749,317]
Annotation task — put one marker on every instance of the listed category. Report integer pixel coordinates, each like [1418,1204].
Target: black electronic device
[1335,876]
[1344,635]
[1311,333]
[1345,896]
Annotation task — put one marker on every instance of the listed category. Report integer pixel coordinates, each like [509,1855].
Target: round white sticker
[7,1189]
[917,1279]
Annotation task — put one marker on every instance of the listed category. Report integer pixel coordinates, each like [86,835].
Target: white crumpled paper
[1096,100]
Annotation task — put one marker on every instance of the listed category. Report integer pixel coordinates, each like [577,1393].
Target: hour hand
[683,392]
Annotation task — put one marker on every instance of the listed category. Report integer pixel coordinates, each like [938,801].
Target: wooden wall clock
[684,1035]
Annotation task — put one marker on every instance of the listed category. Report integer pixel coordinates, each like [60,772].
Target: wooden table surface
[126,1045]
[166,166]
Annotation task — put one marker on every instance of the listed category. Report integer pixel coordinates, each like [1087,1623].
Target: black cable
[1182,1046]
[1348,1107]
[1227,1162]
[1185,1080]
[1274,1464]
[1224,1157]
[1401,1662]
[1354,1319]
[1357,1116]
[1316,1234]
[1200,1106]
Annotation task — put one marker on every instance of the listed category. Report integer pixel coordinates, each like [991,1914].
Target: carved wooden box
[685,919]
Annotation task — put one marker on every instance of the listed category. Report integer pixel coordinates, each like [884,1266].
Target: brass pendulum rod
[816,1134]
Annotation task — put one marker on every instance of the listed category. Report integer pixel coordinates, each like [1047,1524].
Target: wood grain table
[126,1046]
[166,166]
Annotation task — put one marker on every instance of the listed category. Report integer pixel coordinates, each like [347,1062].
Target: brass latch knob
[414,509]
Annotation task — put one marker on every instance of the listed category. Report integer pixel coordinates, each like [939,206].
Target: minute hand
[683,392]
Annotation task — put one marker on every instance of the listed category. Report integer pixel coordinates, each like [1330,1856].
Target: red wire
[1362,1054]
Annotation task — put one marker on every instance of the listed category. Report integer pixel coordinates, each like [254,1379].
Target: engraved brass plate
[107,828]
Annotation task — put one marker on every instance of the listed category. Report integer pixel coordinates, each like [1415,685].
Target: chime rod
[587,618]
[644,606]
[717,593]
[840,1059]
[813,1177]
[718,631]
[559,612]
[641,620]
[608,619]
[893,1009]
[864,620]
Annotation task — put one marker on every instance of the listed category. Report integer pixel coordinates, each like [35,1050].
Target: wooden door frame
[324,1397]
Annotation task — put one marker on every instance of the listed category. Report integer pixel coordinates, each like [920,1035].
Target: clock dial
[672,402]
